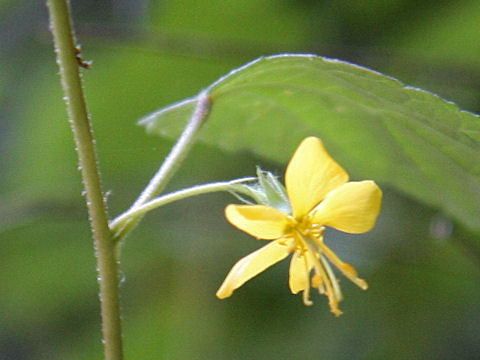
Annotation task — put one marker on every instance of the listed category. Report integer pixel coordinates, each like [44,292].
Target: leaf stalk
[171,164]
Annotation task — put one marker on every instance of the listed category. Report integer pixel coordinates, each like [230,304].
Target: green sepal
[266,191]
[253,191]
[274,191]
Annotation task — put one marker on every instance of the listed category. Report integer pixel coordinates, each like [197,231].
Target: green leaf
[374,125]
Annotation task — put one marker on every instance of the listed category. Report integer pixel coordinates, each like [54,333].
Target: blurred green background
[423,270]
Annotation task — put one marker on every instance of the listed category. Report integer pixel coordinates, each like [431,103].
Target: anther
[305,298]
[317,281]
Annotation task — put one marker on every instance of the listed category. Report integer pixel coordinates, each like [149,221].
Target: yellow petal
[253,264]
[260,221]
[300,267]
[352,208]
[310,175]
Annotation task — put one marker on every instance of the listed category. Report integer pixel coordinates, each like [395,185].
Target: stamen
[324,277]
[307,228]
[317,281]
[328,289]
[333,279]
[306,297]
[301,247]
[344,267]
[306,292]
[335,310]
[348,269]
[315,230]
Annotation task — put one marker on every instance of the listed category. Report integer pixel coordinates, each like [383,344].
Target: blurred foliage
[422,268]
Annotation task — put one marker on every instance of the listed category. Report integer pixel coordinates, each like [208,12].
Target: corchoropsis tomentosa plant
[317,192]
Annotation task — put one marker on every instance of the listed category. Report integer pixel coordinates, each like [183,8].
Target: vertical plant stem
[173,160]
[62,30]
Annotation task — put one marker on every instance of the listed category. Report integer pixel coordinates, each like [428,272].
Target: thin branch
[140,210]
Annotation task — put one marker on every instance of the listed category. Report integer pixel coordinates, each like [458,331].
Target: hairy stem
[61,27]
[140,210]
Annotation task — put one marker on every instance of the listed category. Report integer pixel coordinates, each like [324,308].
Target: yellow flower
[320,195]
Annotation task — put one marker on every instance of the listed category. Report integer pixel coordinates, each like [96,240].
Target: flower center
[307,228]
